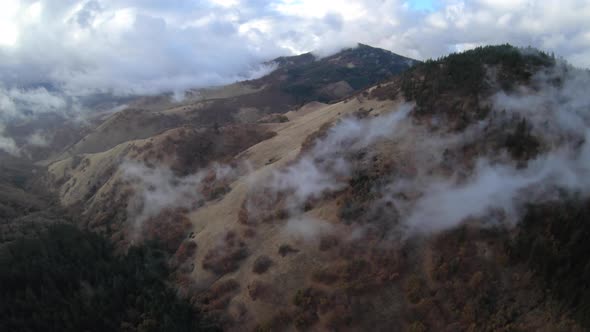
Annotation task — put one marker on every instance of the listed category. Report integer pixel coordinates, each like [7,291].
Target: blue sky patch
[428,5]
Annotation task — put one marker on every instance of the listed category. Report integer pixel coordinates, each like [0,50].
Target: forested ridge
[72,280]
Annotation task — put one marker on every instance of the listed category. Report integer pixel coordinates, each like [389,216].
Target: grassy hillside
[314,230]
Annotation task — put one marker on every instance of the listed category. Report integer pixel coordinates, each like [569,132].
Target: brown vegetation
[219,295]
[259,290]
[286,249]
[170,228]
[263,206]
[261,264]
[195,148]
[184,252]
[226,256]
[274,118]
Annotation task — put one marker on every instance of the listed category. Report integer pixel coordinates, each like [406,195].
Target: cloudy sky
[149,46]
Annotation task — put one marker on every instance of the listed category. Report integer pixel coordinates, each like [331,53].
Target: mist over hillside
[396,194]
[208,167]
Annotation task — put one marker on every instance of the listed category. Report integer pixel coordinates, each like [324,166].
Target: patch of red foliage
[169,228]
[219,295]
[260,290]
[226,256]
[261,264]
[214,187]
[185,251]
[263,206]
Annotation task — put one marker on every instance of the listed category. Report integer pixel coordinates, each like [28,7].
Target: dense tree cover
[71,280]
[26,207]
[466,73]
[360,67]
[521,144]
[15,198]
[553,241]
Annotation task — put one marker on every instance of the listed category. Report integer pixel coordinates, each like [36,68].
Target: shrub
[286,249]
[417,327]
[227,256]
[261,264]
[278,322]
[415,289]
[220,294]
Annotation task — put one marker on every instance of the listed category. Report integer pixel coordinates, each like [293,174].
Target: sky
[428,5]
[81,47]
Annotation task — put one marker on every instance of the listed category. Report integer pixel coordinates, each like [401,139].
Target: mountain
[296,81]
[361,191]
[310,79]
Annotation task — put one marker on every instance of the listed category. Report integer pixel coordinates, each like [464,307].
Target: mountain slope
[426,202]
[296,81]
[26,207]
[308,78]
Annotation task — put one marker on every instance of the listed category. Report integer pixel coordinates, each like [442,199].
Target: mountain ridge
[426,201]
[280,91]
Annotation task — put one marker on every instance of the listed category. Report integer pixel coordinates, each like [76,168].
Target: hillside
[329,195]
[297,80]
[27,208]
[73,275]
[451,197]
[326,79]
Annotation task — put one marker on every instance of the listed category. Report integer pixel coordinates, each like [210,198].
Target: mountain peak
[309,78]
[358,51]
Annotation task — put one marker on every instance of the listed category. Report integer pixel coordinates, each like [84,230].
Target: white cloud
[307,228]
[324,169]
[18,103]
[558,115]
[504,5]
[349,10]
[135,46]
[8,25]
[226,3]
[7,144]
[38,139]
[157,189]
[129,46]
